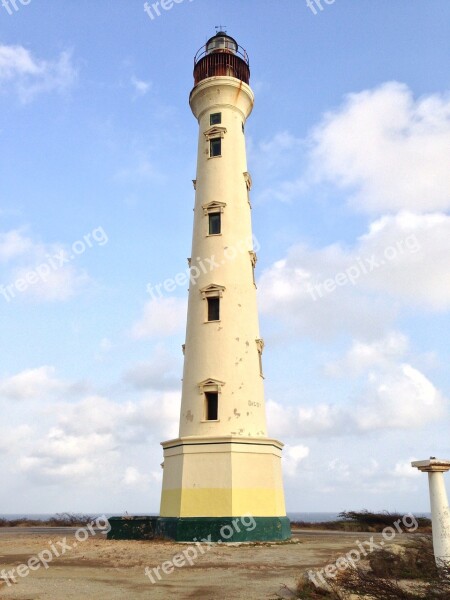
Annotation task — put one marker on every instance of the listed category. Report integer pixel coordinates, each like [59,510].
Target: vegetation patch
[59,520]
[363,521]
[406,572]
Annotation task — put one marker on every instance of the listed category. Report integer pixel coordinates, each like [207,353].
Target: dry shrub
[398,573]
[59,520]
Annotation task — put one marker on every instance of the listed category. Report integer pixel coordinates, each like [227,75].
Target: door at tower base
[210,482]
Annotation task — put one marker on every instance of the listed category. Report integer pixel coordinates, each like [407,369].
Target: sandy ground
[107,570]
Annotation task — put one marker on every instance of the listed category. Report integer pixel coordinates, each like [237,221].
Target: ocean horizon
[309,517]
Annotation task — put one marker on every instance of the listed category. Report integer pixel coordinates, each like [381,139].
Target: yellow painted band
[222,502]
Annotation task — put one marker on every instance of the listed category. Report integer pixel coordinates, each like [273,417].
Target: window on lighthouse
[212,406]
[215,119]
[213,309]
[215,223]
[215,147]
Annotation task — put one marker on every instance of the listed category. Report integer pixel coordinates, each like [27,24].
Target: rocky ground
[97,569]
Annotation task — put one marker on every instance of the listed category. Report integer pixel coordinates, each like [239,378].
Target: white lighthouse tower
[222,467]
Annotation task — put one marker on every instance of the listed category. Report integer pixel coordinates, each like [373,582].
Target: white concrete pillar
[440,511]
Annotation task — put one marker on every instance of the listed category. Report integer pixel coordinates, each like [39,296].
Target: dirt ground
[98,569]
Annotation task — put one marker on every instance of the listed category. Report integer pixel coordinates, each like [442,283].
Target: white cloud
[285,294]
[11,439]
[12,244]
[401,398]
[388,149]
[161,317]
[384,148]
[363,356]
[50,470]
[371,468]
[292,457]
[402,260]
[141,87]
[88,440]
[341,471]
[33,269]
[395,396]
[418,274]
[58,285]
[134,478]
[32,384]
[161,371]
[403,469]
[28,76]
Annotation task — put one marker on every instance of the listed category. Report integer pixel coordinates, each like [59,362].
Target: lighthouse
[223,468]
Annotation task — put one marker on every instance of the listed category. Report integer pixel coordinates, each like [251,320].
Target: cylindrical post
[440,511]
[440,514]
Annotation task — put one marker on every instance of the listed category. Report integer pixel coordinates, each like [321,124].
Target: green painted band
[198,529]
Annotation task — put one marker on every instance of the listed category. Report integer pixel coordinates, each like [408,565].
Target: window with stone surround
[212,406]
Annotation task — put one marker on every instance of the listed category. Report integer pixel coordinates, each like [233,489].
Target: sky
[348,147]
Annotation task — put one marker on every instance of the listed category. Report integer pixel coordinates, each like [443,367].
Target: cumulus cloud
[391,395]
[292,457]
[161,371]
[89,439]
[68,438]
[33,269]
[403,469]
[136,421]
[56,286]
[12,244]
[388,149]
[161,317]
[32,384]
[363,356]
[12,438]
[29,76]
[384,148]
[141,87]
[133,477]
[401,398]
[402,260]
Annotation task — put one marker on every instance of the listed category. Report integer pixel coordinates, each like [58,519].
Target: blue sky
[348,149]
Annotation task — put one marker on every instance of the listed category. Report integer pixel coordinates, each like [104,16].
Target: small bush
[363,521]
[59,520]
[376,522]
